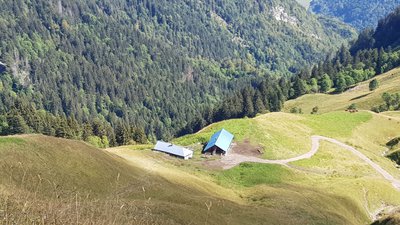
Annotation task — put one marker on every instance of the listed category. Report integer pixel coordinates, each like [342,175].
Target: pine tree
[139,136]
[258,103]
[62,129]
[248,107]
[87,131]
[299,86]
[16,124]
[121,134]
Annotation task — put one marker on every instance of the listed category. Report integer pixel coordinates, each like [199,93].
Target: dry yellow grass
[157,166]
[47,180]
[285,202]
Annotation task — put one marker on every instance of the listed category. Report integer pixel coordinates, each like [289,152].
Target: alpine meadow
[199,112]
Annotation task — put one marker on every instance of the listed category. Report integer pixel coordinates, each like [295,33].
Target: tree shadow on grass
[359,97]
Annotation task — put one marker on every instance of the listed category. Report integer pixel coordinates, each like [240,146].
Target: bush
[352,107]
[99,142]
[374,84]
[296,110]
[315,110]
[395,156]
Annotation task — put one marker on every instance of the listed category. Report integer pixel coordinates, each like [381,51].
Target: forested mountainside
[151,64]
[360,14]
[386,35]
[374,52]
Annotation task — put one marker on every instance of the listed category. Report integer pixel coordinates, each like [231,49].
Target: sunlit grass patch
[11,140]
[336,124]
[251,174]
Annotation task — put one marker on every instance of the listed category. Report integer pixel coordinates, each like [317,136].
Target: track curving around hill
[233,159]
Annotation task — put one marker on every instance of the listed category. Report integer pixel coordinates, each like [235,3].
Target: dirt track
[233,159]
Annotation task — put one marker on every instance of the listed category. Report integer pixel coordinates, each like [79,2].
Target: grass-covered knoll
[273,132]
[42,177]
[70,165]
[241,128]
[359,95]
[283,135]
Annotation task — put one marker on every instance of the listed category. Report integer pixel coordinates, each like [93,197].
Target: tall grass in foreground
[24,202]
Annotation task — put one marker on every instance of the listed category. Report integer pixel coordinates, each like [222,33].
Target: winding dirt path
[233,159]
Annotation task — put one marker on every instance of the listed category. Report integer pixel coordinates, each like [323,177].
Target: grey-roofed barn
[174,150]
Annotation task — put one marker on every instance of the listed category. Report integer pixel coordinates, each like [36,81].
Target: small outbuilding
[174,150]
[220,143]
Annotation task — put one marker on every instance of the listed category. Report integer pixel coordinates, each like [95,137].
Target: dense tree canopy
[151,65]
[337,73]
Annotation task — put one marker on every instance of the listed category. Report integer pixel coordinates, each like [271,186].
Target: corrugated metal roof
[222,139]
[173,149]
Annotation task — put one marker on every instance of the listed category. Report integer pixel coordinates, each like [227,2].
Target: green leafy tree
[341,84]
[373,84]
[326,83]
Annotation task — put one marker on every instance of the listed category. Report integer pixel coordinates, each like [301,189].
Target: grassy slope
[266,192]
[370,137]
[50,180]
[333,170]
[41,177]
[155,188]
[361,96]
[392,114]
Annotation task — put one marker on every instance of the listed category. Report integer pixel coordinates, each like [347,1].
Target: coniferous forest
[374,52]
[114,71]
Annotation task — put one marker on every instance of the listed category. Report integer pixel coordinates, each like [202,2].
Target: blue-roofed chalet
[219,143]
